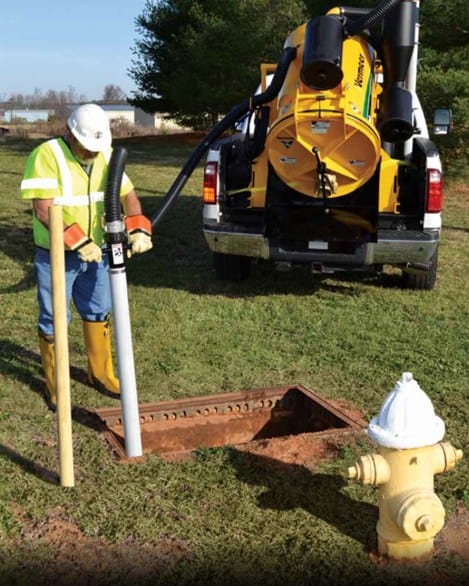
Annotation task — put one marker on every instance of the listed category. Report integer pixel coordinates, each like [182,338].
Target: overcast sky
[55,44]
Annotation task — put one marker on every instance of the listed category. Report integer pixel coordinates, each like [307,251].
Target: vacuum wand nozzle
[116,239]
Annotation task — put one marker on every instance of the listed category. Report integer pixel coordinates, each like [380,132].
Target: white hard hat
[90,126]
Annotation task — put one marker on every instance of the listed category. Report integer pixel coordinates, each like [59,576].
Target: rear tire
[231,267]
[422,281]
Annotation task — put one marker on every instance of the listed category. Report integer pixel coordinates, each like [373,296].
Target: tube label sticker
[117,254]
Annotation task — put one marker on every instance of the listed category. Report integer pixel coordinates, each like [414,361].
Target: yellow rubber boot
[98,347]
[46,345]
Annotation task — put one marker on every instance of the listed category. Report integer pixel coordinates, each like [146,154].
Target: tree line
[59,101]
[195,59]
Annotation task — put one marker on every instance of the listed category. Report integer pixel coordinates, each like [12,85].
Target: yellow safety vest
[52,172]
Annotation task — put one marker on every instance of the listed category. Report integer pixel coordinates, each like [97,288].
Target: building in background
[120,115]
[29,115]
[126,114]
[156,121]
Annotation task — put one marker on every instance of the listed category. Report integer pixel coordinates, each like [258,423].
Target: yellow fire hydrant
[409,436]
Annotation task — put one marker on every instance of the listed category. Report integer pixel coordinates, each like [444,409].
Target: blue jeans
[87,284]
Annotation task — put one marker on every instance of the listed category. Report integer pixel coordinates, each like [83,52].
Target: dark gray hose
[112,206]
[374,16]
[286,57]
[115,235]
[353,11]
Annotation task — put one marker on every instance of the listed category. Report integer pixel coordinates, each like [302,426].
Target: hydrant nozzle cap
[407,418]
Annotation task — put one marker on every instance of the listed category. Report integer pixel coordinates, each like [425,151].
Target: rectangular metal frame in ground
[183,425]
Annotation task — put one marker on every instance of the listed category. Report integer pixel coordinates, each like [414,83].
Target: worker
[71,171]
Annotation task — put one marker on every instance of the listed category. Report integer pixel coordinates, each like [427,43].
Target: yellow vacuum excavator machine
[331,164]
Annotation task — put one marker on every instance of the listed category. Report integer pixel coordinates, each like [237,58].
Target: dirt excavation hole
[292,415]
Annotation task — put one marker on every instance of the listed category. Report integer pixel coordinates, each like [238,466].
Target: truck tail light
[434,191]
[210,183]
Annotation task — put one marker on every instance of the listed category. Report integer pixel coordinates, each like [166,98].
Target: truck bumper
[395,247]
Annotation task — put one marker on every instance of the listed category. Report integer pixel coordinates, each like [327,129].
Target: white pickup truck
[336,170]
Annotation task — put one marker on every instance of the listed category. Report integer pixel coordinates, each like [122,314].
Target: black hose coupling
[115,234]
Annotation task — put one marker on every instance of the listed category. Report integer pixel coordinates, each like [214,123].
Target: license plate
[318,245]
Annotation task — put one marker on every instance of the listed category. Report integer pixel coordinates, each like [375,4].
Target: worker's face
[82,155]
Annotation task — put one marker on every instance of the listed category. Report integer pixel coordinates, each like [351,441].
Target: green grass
[224,517]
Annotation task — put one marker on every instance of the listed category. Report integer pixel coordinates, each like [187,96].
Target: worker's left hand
[139,233]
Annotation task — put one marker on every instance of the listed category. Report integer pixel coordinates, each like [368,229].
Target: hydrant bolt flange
[420,514]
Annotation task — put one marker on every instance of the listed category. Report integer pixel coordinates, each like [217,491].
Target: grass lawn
[223,516]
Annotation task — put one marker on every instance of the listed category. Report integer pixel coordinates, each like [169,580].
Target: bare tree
[59,101]
[17,100]
[113,94]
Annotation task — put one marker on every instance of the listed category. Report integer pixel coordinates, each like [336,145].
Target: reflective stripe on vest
[68,199]
[53,173]
[39,184]
[65,174]
[79,200]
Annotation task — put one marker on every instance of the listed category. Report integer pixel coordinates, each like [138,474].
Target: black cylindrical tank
[396,123]
[322,53]
[398,42]
[396,117]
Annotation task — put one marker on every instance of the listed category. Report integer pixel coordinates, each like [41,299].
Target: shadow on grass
[181,259]
[289,486]
[21,364]
[455,228]
[29,466]
[88,419]
[16,242]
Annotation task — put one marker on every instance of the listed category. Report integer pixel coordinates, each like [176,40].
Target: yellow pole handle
[62,368]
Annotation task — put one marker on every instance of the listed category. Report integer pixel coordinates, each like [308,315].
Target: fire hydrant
[409,436]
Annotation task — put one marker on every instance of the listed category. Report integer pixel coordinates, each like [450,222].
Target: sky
[55,45]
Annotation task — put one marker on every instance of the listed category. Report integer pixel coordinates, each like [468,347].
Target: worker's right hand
[90,252]
[77,240]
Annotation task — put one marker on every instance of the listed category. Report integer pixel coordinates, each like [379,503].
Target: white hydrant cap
[407,418]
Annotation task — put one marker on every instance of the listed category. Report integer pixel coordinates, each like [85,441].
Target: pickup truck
[337,171]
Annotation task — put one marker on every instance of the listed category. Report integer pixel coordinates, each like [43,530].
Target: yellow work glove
[139,233]
[90,252]
[140,242]
[77,240]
